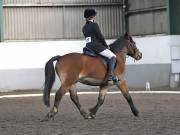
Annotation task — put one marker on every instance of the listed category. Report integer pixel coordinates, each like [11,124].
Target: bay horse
[75,67]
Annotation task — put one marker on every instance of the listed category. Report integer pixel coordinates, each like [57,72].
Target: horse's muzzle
[138,55]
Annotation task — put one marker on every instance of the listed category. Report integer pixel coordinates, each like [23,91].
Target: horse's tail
[49,79]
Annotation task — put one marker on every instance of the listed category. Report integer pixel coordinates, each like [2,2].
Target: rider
[96,42]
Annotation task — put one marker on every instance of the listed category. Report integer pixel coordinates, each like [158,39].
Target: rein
[123,51]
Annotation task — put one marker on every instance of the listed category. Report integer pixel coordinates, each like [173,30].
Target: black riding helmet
[89,12]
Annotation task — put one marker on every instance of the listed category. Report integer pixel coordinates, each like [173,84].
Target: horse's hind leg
[58,96]
[102,93]
[122,85]
[75,99]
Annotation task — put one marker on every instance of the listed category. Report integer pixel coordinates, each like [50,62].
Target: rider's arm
[99,35]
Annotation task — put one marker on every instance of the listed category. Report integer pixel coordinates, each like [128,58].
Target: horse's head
[131,47]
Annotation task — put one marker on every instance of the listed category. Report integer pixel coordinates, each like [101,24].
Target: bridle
[132,46]
[131,49]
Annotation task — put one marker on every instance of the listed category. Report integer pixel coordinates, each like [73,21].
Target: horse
[76,67]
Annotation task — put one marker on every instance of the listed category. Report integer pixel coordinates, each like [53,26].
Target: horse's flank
[85,69]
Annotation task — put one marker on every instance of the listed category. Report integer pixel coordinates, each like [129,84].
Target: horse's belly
[91,81]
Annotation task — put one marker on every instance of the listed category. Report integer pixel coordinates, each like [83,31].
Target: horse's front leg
[75,99]
[102,93]
[122,85]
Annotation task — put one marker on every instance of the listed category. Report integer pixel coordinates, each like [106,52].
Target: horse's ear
[126,35]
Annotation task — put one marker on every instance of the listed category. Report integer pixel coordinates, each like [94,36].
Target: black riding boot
[111,65]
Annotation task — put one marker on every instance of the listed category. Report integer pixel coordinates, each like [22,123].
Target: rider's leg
[111,64]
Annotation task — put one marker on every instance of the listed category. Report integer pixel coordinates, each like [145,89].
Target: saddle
[89,52]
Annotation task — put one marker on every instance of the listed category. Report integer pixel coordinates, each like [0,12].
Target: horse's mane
[117,45]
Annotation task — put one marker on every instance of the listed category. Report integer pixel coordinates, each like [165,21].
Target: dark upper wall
[58,19]
[147,17]
[59,1]
[140,4]
[63,19]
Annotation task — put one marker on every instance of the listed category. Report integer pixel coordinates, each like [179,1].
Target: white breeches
[107,53]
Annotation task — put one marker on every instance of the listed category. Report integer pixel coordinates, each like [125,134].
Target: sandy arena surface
[159,115]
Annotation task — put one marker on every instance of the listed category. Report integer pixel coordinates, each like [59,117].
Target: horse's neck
[121,55]
[121,60]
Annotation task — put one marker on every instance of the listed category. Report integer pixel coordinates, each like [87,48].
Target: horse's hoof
[50,115]
[88,117]
[93,116]
[92,113]
[136,113]
[45,119]
[84,114]
[111,82]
